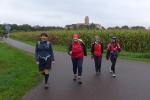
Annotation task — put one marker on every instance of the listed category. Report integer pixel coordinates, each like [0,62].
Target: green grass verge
[122,55]
[18,73]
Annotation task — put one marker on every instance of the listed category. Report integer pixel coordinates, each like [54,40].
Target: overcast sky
[62,12]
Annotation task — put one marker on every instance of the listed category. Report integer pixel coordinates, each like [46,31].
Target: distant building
[86,24]
[86,20]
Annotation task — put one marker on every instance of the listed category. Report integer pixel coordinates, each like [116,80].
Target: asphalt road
[132,81]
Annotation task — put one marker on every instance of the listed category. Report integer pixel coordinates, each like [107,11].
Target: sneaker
[111,71]
[113,75]
[98,73]
[79,80]
[75,77]
[46,86]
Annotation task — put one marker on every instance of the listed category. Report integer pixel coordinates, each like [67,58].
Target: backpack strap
[81,41]
[48,43]
[38,44]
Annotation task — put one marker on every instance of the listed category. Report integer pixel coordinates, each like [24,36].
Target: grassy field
[18,73]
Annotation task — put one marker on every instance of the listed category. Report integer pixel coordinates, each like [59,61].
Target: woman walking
[113,48]
[44,56]
[97,51]
[77,51]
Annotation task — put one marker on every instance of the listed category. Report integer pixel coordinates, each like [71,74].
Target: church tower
[86,20]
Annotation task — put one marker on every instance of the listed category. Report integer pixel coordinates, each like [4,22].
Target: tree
[1,29]
[125,27]
[137,27]
[116,27]
[92,26]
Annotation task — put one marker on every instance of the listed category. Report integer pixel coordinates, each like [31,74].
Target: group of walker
[77,50]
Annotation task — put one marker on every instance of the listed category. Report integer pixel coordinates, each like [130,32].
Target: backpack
[38,44]
[77,50]
[44,58]
[97,51]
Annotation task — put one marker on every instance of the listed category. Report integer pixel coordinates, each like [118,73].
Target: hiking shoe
[98,73]
[111,71]
[79,80]
[46,86]
[75,77]
[113,75]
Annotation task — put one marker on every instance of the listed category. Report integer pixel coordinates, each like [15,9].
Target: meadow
[18,73]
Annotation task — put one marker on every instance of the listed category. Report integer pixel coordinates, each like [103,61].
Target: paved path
[132,83]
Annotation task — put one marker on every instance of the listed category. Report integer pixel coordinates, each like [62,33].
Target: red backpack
[113,47]
[77,50]
[97,49]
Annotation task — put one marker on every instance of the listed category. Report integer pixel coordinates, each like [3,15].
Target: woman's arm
[108,52]
[69,48]
[92,49]
[102,47]
[119,48]
[84,49]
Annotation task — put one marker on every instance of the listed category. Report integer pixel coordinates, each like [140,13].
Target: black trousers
[98,60]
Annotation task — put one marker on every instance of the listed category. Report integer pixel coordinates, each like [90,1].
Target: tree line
[27,28]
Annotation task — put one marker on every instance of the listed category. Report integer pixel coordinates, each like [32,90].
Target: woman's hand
[70,52]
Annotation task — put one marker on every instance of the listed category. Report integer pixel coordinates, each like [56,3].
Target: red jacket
[97,49]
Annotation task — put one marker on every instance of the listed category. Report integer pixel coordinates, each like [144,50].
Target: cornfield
[130,40]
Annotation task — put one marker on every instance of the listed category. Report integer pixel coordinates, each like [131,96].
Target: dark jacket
[92,48]
[43,49]
[82,45]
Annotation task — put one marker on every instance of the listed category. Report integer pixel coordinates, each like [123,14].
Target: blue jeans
[77,65]
[113,59]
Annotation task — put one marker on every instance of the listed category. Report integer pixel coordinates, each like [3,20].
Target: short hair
[44,34]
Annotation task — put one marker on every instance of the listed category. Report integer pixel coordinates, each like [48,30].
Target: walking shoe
[98,73]
[75,77]
[46,86]
[113,75]
[79,80]
[111,71]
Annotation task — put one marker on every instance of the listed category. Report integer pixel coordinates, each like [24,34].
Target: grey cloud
[62,12]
